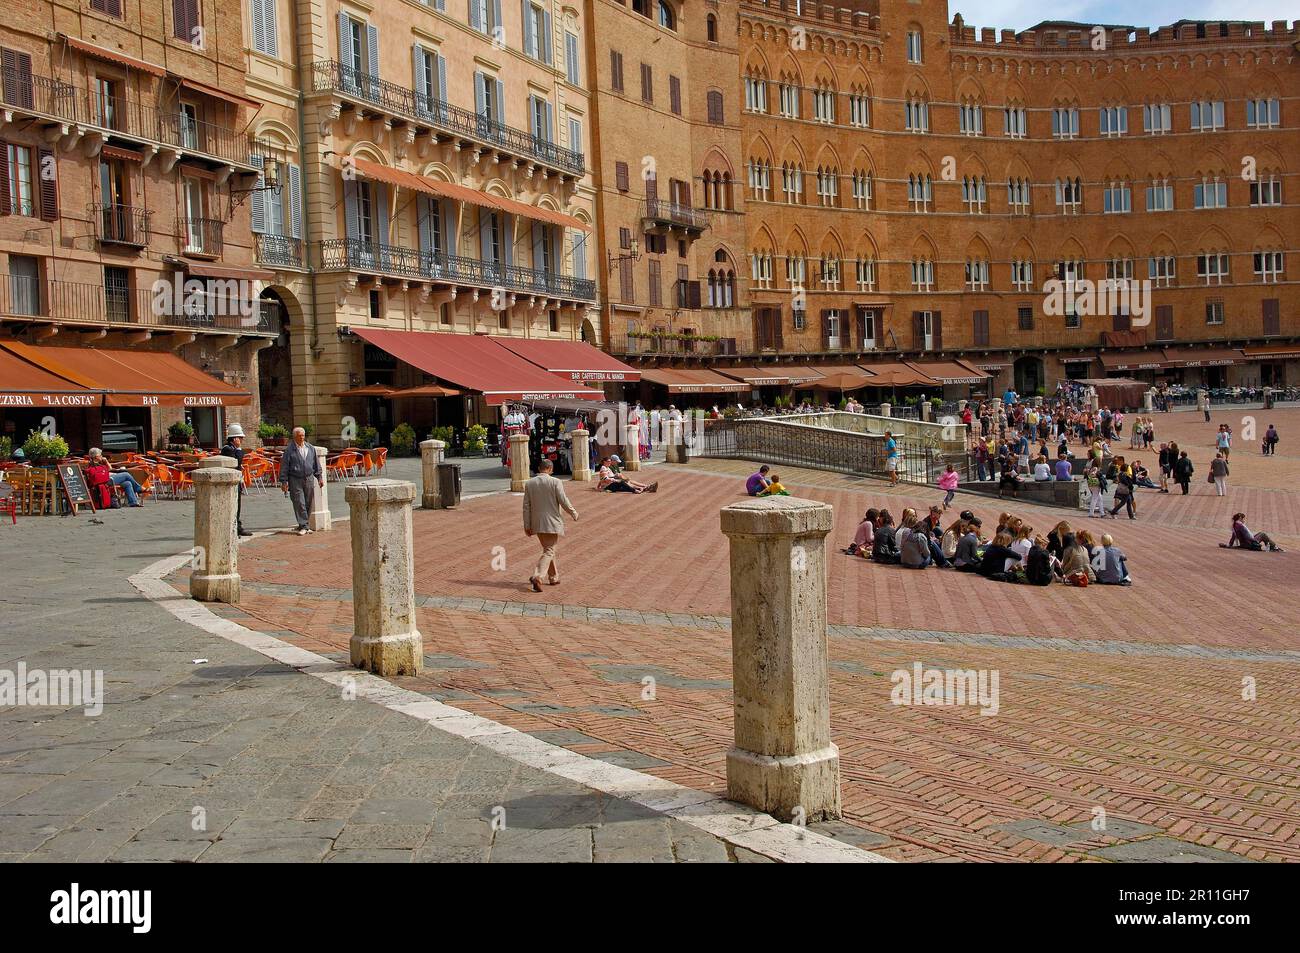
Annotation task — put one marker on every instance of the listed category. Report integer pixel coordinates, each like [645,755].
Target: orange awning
[951,372]
[574,360]
[216,92]
[23,384]
[427,390]
[370,390]
[133,378]
[112,56]
[897,374]
[757,376]
[462,193]
[683,381]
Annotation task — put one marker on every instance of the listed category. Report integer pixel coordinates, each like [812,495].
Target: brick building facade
[922,184]
[124,161]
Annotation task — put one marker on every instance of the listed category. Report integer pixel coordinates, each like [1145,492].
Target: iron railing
[84,302]
[122,115]
[659,210]
[122,224]
[333,76]
[202,236]
[786,440]
[279,251]
[353,254]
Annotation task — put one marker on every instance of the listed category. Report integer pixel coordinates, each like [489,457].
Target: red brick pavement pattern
[1168,742]
[664,552]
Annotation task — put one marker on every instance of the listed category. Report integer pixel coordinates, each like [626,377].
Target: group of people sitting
[1013,553]
[611,477]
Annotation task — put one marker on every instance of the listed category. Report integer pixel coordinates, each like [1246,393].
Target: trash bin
[449,485]
[683,449]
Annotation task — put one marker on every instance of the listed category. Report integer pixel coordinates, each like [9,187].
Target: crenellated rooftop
[1067,37]
[860,16]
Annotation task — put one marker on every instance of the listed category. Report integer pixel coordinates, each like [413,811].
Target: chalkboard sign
[74,486]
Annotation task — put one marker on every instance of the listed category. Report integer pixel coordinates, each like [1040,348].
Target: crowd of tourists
[1011,552]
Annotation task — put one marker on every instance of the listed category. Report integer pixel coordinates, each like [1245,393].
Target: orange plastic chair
[380,457]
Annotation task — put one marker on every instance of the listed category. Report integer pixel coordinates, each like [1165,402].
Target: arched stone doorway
[274,363]
[588,332]
[1030,377]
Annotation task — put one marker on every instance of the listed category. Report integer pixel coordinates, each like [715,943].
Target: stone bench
[1067,493]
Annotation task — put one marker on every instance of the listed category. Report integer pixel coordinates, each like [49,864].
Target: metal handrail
[121,224]
[664,211]
[278,250]
[333,76]
[357,255]
[201,236]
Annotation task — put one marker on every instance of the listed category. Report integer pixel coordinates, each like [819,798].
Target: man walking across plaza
[234,448]
[300,474]
[545,504]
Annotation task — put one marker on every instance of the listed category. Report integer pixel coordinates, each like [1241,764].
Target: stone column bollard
[632,448]
[885,410]
[1149,401]
[384,637]
[673,441]
[430,457]
[961,406]
[783,759]
[216,558]
[1094,402]
[1202,398]
[319,520]
[580,455]
[926,409]
[519,470]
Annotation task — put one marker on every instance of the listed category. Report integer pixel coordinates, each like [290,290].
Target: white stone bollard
[384,639]
[519,470]
[673,441]
[783,761]
[430,456]
[215,577]
[580,456]
[961,406]
[319,521]
[632,448]
[885,410]
[1149,401]
[926,409]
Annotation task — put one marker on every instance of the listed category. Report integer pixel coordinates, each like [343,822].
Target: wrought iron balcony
[121,224]
[353,254]
[201,236]
[46,98]
[660,213]
[333,76]
[85,303]
[278,251]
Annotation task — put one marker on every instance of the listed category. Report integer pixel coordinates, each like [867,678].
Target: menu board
[74,486]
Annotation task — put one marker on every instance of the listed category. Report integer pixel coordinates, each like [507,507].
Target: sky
[1019,14]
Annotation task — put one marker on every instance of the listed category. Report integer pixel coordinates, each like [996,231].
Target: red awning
[112,56]
[237,99]
[682,381]
[134,378]
[24,384]
[758,376]
[1279,352]
[1203,357]
[462,193]
[951,372]
[572,360]
[475,362]
[1133,360]
[898,374]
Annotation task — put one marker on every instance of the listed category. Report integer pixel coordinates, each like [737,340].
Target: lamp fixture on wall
[634,254]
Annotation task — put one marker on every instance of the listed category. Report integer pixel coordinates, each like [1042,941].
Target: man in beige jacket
[545,504]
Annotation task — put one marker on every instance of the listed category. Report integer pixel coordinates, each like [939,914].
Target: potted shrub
[403,440]
[367,438]
[446,434]
[6,448]
[272,435]
[43,451]
[475,440]
[180,435]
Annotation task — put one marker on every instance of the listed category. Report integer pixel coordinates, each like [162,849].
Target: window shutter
[295,201]
[497,22]
[1165,323]
[531,43]
[627,286]
[647,83]
[918,330]
[778,340]
[936,322]
[441,62]
[475,15]
[17,77]
[692,294]
[450,225]
[424,218]
[49,184]
[580,254]
[352,217]
[257,204]
[372,50]
[652,272]
[480,94]
[508,239]
[675,95]
[620,178]
[6,206]
[826,330]
[715,107]
[500,104]
[616,70]
[981,329]
[1272,317]
[548,45]
[651,188]
[381,213]
[538,236]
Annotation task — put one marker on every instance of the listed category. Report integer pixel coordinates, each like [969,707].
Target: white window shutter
[295,201]
[258,205]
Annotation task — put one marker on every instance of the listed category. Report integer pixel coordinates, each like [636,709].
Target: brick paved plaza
[1127,700]
[1123,701]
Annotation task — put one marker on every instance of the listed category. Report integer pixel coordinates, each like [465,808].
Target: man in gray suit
[545,504]
[299,476]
